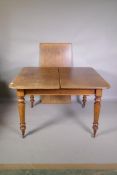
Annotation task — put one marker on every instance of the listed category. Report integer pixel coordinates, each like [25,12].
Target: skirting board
[58,166]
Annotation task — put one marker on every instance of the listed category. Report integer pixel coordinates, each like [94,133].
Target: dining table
[73,81]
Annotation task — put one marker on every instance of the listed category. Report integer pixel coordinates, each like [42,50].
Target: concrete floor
[58,134]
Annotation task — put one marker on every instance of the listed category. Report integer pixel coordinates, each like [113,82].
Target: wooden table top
[81,78]
[56,78]
[36,78]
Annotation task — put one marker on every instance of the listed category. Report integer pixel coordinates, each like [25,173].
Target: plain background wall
[90,25]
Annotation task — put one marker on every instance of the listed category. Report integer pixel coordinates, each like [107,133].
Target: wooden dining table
[58,81]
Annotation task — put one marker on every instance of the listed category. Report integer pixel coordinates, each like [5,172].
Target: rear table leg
[84,101]
[32,100]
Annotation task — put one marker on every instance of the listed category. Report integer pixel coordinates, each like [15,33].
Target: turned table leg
[84,100]
[32,100]
[97,105]
[21,108]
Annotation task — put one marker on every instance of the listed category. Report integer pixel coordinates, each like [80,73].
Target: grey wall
[91,25]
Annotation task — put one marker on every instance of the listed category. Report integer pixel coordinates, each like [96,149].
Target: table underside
[59,91]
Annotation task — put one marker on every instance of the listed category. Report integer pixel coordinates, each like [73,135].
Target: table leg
[32,100]
[84,101]
[21,108]
[97,105]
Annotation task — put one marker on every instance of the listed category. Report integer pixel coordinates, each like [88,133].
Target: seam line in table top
[59,79]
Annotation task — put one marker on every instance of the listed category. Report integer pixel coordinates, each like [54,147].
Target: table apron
[59,91]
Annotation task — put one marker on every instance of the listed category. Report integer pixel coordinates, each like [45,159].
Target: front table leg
[97,104]
[21,108]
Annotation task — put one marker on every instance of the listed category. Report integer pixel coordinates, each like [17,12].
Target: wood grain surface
[81,78]
[55,55]
[65,78]
[36,78]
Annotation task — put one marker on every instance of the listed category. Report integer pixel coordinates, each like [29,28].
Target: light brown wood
[55,55]
[59,92]
[97,105]
[65,78]
[36,78]
[32,100]
[84,101]
[21,108]
[81,78]
[55,99]
[34,81]
[103,166]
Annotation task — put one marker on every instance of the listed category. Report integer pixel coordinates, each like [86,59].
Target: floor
[58,134]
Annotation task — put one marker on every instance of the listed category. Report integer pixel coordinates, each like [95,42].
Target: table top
[36,78]
[81,78]
[58,78]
